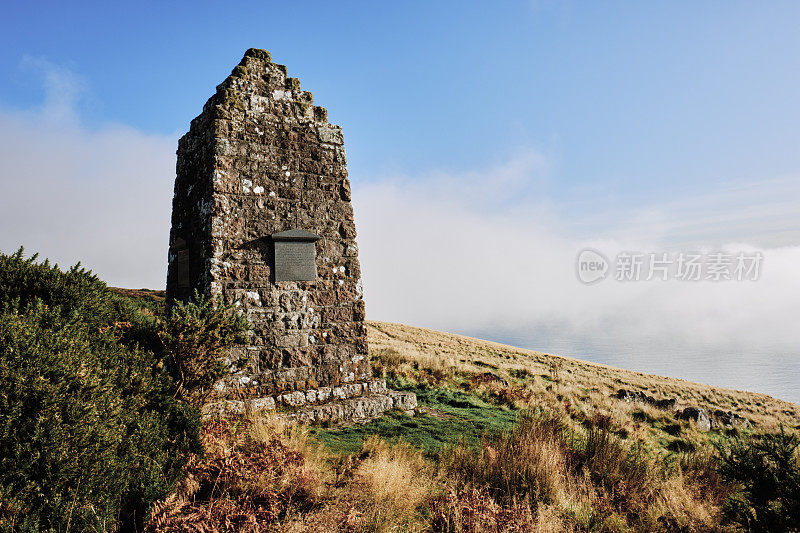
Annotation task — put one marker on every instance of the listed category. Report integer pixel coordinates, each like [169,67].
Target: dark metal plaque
[295,261]
[295,255]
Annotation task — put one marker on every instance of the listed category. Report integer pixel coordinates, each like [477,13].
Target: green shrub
[195,334]
[75,293]
[60,425]
[88,431]
[92,429]
[766,469]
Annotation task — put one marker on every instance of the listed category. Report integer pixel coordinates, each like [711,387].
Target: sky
[487,143]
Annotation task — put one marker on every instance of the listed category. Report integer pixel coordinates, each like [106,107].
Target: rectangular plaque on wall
[295,255]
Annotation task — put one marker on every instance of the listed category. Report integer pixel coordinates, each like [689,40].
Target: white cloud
[762,212]
[62,90]
[431,256]
[102,197]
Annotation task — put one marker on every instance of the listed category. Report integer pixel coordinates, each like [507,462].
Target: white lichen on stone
[281,94]
[217,227]
[215,289]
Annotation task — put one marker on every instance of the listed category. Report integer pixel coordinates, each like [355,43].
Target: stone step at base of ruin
[360,409]
[352,402]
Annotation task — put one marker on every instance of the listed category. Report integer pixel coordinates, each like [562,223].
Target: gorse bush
[93,427]
[61,422]
[88,433]
[766,469]
[75,293]
[195,334]
[78,295]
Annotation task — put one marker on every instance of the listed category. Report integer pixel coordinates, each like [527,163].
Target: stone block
[293,399]
[266,403]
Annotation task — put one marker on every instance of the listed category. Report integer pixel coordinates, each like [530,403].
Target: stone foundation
[354,402]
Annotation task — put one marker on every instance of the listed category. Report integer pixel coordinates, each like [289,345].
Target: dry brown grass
[565,478]
[614,478]
[580,382]
[548,474]
[529,462]
[266,474]
[395,482]
[431,367]
[253,474]
[578,460]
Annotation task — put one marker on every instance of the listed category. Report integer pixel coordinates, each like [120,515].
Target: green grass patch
[459,418]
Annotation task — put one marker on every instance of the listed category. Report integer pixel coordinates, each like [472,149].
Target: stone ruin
[262,217]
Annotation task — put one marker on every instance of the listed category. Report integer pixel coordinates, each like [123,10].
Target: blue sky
[487,143]
[640,96]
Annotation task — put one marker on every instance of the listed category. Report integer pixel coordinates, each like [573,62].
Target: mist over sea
[769,370]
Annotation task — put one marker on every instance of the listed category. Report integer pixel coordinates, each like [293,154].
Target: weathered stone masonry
[259,160]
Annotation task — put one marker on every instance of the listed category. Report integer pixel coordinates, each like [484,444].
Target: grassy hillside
[505,440]
[579,381]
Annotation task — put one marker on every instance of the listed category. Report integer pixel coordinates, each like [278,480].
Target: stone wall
[262,159]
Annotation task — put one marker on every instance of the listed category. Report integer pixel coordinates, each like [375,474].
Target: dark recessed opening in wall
[181,251]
